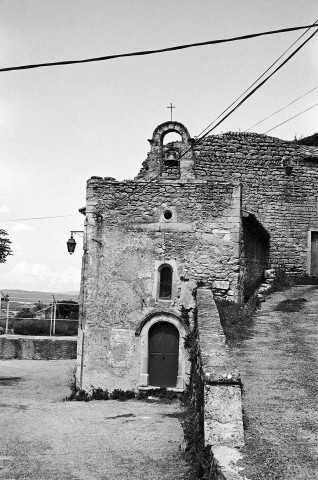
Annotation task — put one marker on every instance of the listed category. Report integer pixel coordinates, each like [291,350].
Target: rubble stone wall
[285,203]
[215,390]
[127,239]
[37,348]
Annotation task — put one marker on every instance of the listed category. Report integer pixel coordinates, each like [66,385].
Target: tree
[39,306]
[25,312]
[312,140]
[5,249]
[67,309]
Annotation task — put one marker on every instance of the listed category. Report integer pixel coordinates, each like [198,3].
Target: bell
[171,156]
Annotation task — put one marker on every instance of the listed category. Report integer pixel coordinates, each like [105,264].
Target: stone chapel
[214,215]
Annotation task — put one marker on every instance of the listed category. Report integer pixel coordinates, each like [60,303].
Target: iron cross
[171,107]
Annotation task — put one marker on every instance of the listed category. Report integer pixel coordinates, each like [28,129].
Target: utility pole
[51,322]
[7,318]
[54,316]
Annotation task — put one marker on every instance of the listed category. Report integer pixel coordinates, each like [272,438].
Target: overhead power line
[281,109]
[39,218]
[148,183]
[256,87]
[151,52]
[201,137]
[259,78]
[294,116]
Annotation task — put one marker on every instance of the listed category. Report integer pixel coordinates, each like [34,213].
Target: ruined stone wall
[127,238]
[286,205]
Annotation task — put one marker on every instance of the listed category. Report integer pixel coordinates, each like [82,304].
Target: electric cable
[39,218]
[237,106]
[151,52]
[261,76]
[294,116]
[281,109]
[251,92]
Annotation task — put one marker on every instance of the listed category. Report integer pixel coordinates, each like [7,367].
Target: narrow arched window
[165,282]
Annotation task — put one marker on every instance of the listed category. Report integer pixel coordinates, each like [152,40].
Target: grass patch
[282,281]
[291,305]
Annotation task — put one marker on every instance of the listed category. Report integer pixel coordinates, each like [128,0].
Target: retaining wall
[222,409]
[37,348]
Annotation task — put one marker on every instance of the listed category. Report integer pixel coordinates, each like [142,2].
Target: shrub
[99,394]
[122,395]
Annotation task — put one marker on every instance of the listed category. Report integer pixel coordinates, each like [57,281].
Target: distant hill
[312,140]
[20,298]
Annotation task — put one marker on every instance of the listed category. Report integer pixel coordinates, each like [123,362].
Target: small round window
[167,215]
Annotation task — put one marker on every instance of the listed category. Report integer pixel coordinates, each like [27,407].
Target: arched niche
[143,330]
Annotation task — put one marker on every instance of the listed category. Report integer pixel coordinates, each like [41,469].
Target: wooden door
[314,253]
[163,355]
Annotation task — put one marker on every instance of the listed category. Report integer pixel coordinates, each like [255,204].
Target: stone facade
[279,186]
[149,242]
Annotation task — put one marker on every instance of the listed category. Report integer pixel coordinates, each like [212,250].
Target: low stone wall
[222,411]
[37,348]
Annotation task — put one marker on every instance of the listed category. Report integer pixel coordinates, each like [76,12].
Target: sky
[61,125]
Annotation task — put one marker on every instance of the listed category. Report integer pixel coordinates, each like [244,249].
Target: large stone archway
[144,338]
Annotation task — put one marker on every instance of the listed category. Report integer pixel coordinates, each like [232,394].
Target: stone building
[212,215]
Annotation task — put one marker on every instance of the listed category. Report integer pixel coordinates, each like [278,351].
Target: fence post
[7,319]
[54,318]
[51,319]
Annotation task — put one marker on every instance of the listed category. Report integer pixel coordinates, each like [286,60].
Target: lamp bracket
[77,232]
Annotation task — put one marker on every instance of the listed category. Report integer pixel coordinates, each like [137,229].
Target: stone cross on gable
[171,107]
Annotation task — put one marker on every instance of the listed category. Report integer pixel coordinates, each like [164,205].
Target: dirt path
[279,368]
[43,437]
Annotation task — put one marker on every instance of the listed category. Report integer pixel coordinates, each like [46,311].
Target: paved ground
[44,438]
[278,361]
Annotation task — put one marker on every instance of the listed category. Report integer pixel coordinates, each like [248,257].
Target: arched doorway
[163,355]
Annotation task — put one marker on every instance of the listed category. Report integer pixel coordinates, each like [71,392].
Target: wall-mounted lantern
[71,244]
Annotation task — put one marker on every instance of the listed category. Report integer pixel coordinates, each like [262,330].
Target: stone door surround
[143,330]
